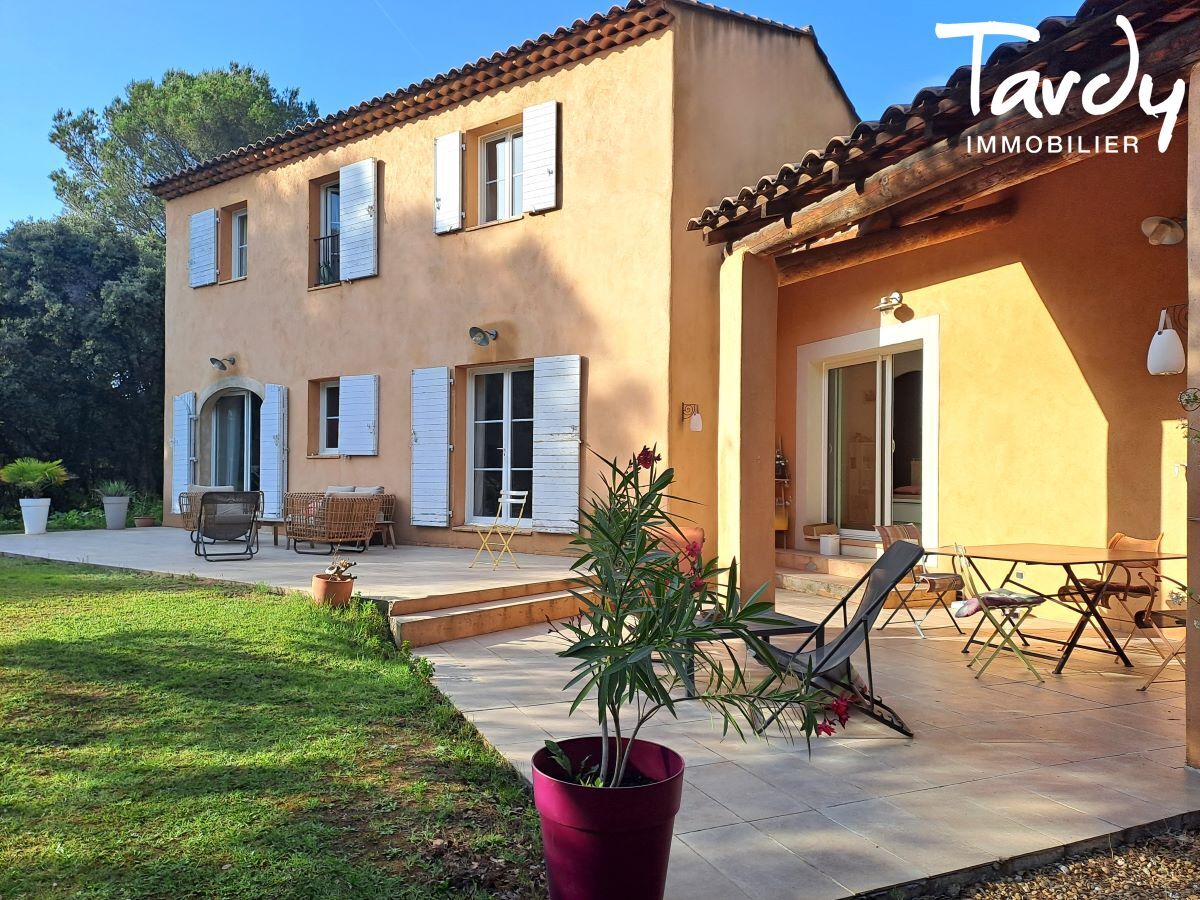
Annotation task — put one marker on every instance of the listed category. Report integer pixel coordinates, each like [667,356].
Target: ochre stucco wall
[591,278]
[732,79]
[1051,430]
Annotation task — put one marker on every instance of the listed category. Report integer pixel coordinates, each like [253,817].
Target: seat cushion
[1093,584]
[340,489]
[373,489]
[1005,599]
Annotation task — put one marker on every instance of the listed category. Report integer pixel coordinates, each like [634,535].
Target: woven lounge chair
[829,666]
[937,583]
[342,521]
[228,517]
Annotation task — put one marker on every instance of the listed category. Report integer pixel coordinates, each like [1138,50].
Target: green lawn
[168,738]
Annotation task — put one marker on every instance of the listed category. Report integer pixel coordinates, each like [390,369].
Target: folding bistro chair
[827,664]
[1005,610]
[937,583]
[1153,623]
[502,529]
[1123,584]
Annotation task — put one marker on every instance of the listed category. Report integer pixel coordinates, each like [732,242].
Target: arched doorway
[228,437]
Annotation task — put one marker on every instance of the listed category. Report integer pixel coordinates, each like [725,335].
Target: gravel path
[1166,867]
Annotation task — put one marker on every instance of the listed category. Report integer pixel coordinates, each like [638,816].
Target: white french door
[500,442]
[873,442]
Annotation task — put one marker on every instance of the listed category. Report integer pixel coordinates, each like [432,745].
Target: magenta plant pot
[605,843]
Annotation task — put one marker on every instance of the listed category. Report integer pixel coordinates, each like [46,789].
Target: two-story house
[456,288]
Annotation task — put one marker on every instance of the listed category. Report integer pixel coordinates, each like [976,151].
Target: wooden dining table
[1068,559]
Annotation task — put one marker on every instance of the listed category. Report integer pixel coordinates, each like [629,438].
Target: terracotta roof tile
[583,38]
[936,112]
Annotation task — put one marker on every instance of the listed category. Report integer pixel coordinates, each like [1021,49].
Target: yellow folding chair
[1005,610]
[502,529]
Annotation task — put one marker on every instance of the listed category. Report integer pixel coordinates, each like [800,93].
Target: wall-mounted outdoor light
[222,363]
[1166,355]
[1164,230]
[890,303]
[691,415]
[482,337]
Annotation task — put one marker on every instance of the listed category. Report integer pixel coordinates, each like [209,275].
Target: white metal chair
[502,529]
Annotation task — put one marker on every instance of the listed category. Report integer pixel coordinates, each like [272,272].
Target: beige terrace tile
[761,867]
[747,795]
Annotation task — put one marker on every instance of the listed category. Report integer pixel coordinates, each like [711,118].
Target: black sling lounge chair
[829,666]
[228,517]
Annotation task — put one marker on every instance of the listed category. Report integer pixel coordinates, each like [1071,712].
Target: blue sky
[80,53]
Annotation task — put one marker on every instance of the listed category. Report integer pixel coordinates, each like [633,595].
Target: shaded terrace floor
[999,767]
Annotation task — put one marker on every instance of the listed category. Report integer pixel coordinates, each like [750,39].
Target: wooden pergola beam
[873,246]
[948,161]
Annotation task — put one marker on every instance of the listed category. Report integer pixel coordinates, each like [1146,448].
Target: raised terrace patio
[1000,768]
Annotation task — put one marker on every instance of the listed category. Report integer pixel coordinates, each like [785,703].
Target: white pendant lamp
[1166,356]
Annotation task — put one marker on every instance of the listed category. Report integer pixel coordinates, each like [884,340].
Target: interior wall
[1051,430]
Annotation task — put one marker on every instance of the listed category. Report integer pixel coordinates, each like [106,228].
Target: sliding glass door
[873,443]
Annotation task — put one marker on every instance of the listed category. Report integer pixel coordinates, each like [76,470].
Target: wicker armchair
[339,520]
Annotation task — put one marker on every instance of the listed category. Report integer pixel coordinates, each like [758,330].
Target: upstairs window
[501,159]
[328,243]
[240,222]
[330,417]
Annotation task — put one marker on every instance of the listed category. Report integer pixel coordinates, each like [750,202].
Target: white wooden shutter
[272,450]
[539,130]
[183,445]
[358,411]
[358,242]
[202,248]
[556,443]
[429,501]
[447,182]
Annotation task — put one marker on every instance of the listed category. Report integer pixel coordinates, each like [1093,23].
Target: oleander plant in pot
[658,628]
[31,478]
[335,586]
[115,495]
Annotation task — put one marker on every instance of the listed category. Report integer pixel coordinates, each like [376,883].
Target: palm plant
[655,626]
[32,476]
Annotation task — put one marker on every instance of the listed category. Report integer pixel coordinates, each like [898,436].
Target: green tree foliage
[158,128]
[81,359]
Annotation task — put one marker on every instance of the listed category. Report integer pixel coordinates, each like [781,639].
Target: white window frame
[240,222]
[506,470]
[325,254]
[509,177]
[323,417]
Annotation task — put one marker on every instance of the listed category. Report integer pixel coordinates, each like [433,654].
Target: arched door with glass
[235,434]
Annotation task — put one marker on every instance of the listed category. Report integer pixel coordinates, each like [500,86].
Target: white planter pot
[115,510]
[34,512]
[831,544]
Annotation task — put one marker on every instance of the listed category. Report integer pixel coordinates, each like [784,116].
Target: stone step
[408,605]
[434,626]
[808,561]
[835,587]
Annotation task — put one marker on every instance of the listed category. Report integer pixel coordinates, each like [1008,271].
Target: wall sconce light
[691,415]
[482,337]
[222,363]
[1166,355]
[1164,230]
[891,302]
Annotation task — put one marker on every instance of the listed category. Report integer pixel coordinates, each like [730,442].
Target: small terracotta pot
[144,521]
[328,592]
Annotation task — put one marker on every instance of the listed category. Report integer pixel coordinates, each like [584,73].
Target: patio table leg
[1091,602]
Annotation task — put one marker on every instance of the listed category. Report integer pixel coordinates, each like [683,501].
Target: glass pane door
[501,442]
[852,498]
[229,441]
